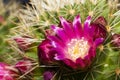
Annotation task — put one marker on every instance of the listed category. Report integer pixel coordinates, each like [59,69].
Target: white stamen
[77,48]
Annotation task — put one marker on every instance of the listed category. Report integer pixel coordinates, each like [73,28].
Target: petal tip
[87,22]
[77,19]
[61,18]
[99,41]
[78,16]
[89,18]
[53,27]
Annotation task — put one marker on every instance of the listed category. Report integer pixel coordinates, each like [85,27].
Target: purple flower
[7,72]
[116,40]
[48,75]
[23,65]
[73,44]
[99,27]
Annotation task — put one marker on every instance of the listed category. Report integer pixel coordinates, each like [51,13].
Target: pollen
[77,48]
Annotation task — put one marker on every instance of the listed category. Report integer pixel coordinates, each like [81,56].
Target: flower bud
[23,65]
[45,53]
[116,40]
[7,72]
[48,75]
[99,29]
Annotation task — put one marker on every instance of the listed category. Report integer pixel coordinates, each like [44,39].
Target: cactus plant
[34,26]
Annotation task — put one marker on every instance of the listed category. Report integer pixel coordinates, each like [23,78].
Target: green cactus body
[38,19]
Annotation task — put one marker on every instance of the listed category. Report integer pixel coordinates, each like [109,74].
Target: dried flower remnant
[24,42]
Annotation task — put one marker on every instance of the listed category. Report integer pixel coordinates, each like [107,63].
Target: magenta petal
[80,62]
[55,40]
[59,53]
[59,56]
[67,27]
[77,26]
[92,52]
[60,33]
[87,23]
[88,32]
[70,63]
[98,41]
[87,60]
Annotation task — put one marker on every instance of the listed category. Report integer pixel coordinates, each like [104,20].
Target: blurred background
[23,2]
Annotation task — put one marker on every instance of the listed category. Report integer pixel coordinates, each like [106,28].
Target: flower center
[77,48]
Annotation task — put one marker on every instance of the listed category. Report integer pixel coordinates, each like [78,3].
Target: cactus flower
[6,72]
[73,44]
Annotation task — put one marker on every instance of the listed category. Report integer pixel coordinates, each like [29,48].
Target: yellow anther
[76,49]
[101,47]
[108,28]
